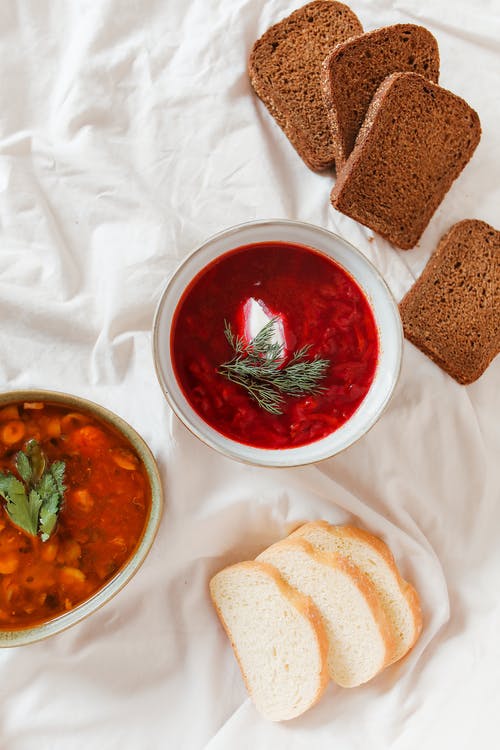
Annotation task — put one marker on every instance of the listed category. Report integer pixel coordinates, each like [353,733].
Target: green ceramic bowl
[61,622]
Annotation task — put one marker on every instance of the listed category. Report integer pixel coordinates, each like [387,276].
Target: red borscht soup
[313,302]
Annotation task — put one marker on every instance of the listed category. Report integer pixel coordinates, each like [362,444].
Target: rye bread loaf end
[285,72]
[356,68]
[415,140]
[452,313]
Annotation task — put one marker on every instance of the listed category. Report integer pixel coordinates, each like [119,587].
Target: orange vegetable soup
[103,515]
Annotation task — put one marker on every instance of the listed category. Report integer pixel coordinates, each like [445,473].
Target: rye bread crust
[285,72]
[355,69]
[452,313]
[414,142]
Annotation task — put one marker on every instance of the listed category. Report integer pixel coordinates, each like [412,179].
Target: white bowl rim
[285,457]
[35,633]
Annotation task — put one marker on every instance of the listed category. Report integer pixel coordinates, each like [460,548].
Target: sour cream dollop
[254,315]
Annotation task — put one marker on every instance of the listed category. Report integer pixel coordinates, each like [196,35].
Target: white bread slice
[277,635]
[358,633]
[371,555]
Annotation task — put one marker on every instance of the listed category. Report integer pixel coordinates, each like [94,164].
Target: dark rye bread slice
[452,313]
[415,140]
[356,68]
[285,72]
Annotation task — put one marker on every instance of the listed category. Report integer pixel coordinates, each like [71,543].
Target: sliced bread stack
[355,69]
[368,103]
[360,639]
[285,72]
[328,601]
[372,556]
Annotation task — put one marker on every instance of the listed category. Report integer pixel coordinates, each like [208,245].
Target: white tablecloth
[128,134]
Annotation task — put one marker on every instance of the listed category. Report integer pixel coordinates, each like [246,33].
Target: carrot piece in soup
[49,551]
[125,459]
[70,575]
[9,412]
[73,420]
[83,500]
[54,428]
[12,432]
[88,438]
[9,563]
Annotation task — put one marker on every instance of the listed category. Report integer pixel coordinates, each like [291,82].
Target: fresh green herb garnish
[258,367]
[34,503]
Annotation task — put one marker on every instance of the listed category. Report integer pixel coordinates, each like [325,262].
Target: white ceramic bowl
[384,308]
[81,611]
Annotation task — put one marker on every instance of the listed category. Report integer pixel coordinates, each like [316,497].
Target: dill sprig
[259,368]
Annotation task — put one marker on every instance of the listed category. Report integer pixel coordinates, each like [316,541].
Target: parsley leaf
[57,470]
[4,484]
[19,507]
[49,489]
[23,466]
[34,504]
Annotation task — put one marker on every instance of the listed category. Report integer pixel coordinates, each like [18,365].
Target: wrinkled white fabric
[128,134]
